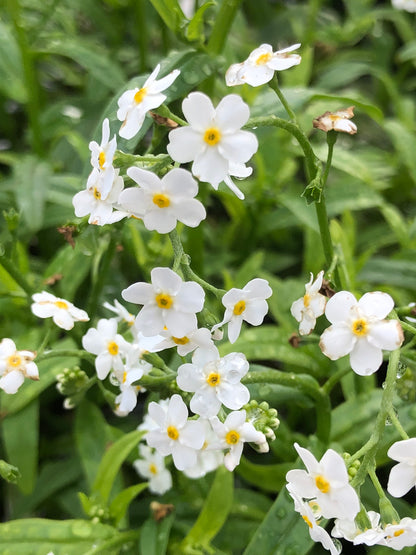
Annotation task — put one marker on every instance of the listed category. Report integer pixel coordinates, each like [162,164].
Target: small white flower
[349,530]
[307,309]
[398,536]
[161,203]
[214,380]
[100,206]
[209,457]
[213,140]
[403,475]
[126,400]
[63,313]
[135,103]
[337,121]
[15,366]
[359,330]
[168,303]
[248,304]
[151,466]
[102,157]
[327,481]
[109,346]
[194,339]
[175,435]
[260,66]
[408,5]
[232,434]
[123,315]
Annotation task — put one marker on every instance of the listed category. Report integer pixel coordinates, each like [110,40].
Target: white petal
[365,359]
[234,328]
[239,146]
[231,113]
[233,396]
[338,308]
[166,280]
[11,382]
[387,334]
[150,321]
[198,111]
[184,144]
[210,166]
[404,450]
[337,341]
[138,293]
[256,75]
[401,480]
[376,304]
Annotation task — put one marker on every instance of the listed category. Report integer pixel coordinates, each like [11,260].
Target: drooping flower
[359,330]
[161,203]
[400,535]
[349,530]
[135,103]
[213,140]
[247,304]
[196,338]
[327,481]
[168,303]
[175,435]
[214,381]
[232,434]
[403,475]
[102,208]
[337,121]
[260,66]
[307,309]
[123,315]
[408,5]
[15,366]
[63,313]
[102,157]
[151,466]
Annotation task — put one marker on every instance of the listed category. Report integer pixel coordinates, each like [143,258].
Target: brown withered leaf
[67,231]
[160,511]
[160,120]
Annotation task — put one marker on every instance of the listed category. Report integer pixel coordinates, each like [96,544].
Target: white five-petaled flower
[400,535]
[151,466]
[135,103]
[408,5]
[196,338]
[168,303]
[247,304]
[260,66]
[307,309]
[15,366]
[101,206]
[163,202]
[102,157]
[214,380]
[63,313]
[109,346]
[336,121]
[327,481]
[232,434]
[403,475]
[359,330]
[213,140]
[175,435]
[349,530]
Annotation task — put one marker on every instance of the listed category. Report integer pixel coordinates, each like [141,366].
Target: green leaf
[9,472]
[380,270]
[154,537]
[11,71]
[39,536]
[111,463]
[268,477]
[171,13]
[405,143]
[215,510]
[121,502]
[195,30]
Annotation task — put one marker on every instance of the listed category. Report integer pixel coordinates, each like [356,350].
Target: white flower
[327,481]
[398,536]
[123,315]
[175,435]
[336,121]
[208,458]
[349,530]
[194,339]
[214,380]
[126,400]
[108,345]
[134,103]
[15,366]
[161,203]
[260,66]
[152,467]
[232,434]
[403,475]
[148,423]
[168,302]
[63,313]
[100,206]
[102,157]
[307,309]
[359,330]
[408,5]
[213,139]
[247,304]
[316,532]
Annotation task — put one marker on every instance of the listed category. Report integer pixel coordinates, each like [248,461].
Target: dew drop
[281,513]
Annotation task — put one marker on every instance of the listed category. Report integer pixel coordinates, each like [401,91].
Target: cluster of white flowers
[63,313]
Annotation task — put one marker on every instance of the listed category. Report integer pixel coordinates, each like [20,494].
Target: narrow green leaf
[154,536]
[171,13]
[268,477]
[121,502]
[195,30]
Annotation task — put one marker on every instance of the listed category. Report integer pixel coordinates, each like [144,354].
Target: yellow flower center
[172,432]
[161,200]
[398,532]
[180,340]
[360,327]
[322,484]
[213,379]
[61,304]
[164,300]
[263,59]
[232,437]
[239,308]
[335,117]
[212,136]
[14,360]
[153,468]
[101,159]
[113,350]
[124,377]
[96,193]
[306,300]
[140,95]
[308,522]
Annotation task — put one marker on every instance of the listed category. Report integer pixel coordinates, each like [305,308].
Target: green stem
[376,483]
[222,25]
[408,327]
[66,353]
[164,111]
[334,379]
[274,85]
[331,139]
[16,275]
[397,424]
[323,223]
